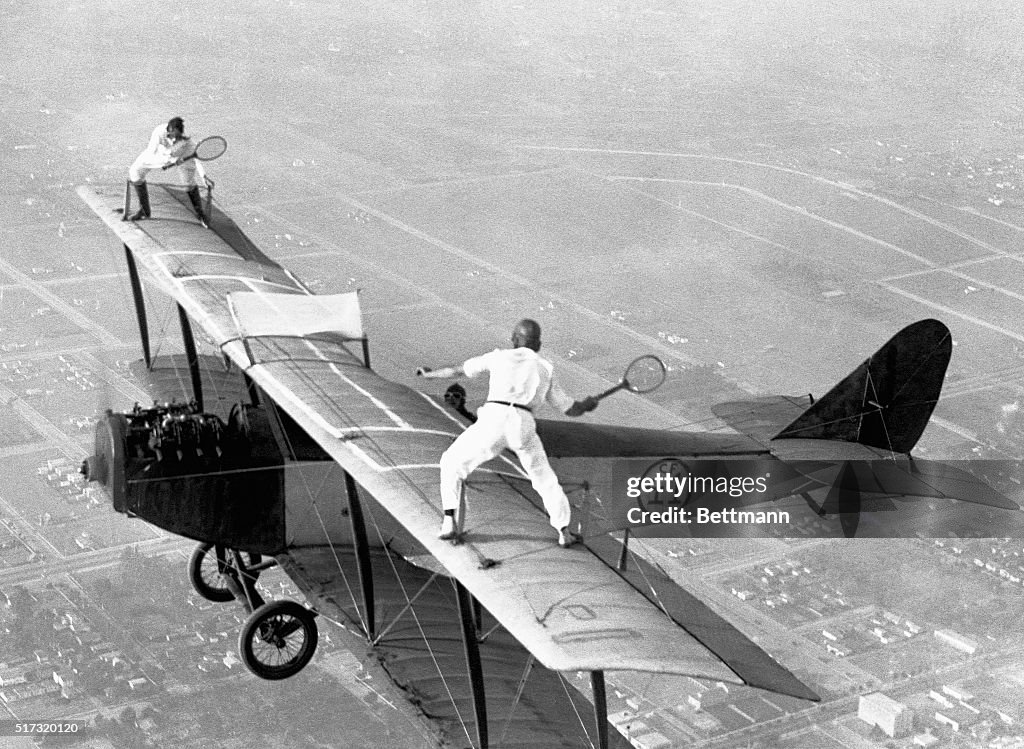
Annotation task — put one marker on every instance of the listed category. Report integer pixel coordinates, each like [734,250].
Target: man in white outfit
[520,381]
[168,146]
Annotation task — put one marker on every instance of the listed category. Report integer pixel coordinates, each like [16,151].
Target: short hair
[528,328]
[175,123]
[527,333]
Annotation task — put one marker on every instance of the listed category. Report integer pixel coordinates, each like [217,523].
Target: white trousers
[499,427]
[145,163]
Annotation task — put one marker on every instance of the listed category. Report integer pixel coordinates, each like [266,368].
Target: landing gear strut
[209,573]
[279,638]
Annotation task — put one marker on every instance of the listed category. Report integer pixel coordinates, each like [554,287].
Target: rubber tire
[202,586]
[261,617]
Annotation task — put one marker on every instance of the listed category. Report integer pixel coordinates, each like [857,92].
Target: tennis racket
[643,375]
[208,149]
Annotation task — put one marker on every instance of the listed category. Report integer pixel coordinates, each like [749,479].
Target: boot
[142,193]
[567,538]
[448,530]
[197,204]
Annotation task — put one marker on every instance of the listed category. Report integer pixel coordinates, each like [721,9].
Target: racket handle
[165,167]
[622,385]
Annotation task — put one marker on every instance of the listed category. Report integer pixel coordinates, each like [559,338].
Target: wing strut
[468,619]
[600,708]
[140,305]
[252,388]
[362,548]
[624,554]
[193,359]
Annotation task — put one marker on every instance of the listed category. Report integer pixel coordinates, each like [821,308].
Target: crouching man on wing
[168,147]
[520,381]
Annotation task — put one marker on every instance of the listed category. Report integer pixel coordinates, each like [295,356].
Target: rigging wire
[518,696]
[650,586]
[869,382]
[162,327]
[423,635]
[323,526]
[583,725]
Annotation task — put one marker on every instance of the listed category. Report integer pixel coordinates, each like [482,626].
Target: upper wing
[571,610]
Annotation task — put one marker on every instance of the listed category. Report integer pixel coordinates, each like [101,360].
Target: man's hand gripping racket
[208,149]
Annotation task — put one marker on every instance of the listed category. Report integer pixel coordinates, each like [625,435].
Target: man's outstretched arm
[441,373]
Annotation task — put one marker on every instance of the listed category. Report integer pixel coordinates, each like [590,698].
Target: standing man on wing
[168,146]
[520,380]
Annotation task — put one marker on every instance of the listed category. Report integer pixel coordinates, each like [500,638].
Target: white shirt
[519,376]
[162,149]
[161,146]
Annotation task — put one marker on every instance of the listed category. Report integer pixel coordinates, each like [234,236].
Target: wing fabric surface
[568,608]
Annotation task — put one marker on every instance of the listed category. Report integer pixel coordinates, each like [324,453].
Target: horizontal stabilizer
[761,418]
[886,402]
[928,478]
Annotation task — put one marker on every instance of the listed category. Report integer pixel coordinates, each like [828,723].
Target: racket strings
[645,374]
[211,148]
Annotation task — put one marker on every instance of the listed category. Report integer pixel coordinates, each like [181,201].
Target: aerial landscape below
[759,194]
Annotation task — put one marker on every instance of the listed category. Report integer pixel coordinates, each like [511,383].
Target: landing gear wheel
[207,577]
[278,639]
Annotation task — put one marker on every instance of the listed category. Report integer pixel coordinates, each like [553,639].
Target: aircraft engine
[192,474]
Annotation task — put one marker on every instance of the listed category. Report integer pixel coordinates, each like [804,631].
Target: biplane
[325,465]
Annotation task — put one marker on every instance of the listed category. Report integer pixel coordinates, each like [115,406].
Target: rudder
[886,402]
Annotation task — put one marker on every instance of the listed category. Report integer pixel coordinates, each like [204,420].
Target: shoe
[142,193]
[567,538]
[447,528]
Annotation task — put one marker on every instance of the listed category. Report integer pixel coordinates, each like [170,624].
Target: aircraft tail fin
[886,402]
